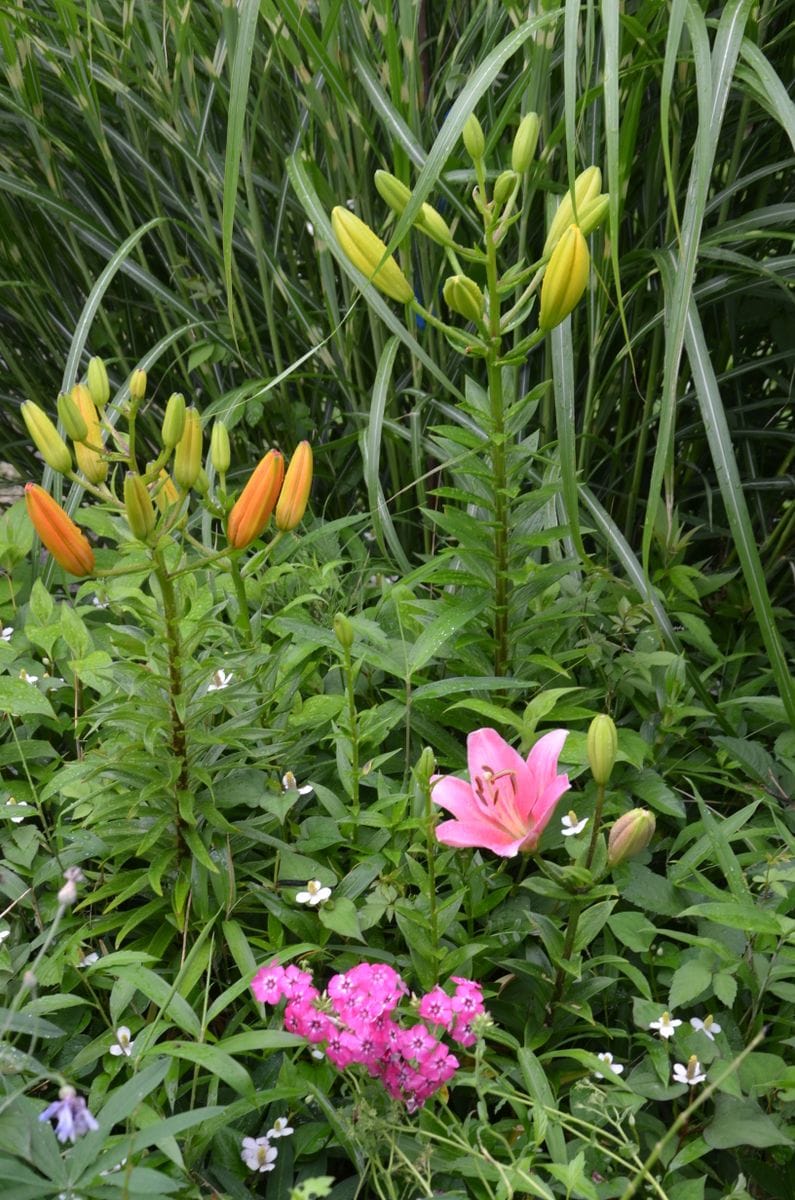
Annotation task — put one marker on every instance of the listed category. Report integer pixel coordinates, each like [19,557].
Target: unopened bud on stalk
[397,195]
[46,438]
[587,187]
[474,141]
[68,546]
[202,485]
[166,494]
[71,418]
[343,631]
[98,383]
[463,296]
[524,143]
[630,835]
[173,425]
[188,453]
[366,251]
[251,512]
[565,279]
[90,461]
[295,489]
[602,748]
[506,184]
[138,385]
[220,452]
[592,214]
[426,767]
[138,506]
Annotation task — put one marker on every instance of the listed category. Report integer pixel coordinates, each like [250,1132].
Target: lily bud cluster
[152,499]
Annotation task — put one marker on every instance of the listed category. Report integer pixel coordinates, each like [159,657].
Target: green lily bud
[138,385]
[366,251]
[602,748]
[593,213]
[426,767]
[202,485]
[343,631]
[71,418]
[463,296]
[587,187]
[138,506]
[504,188]
[565,279]
[397,196]
[630,835]
[46,438]
[173,420]
[98,383]
[188,453]
[220,453]
[474,140]
[525,142]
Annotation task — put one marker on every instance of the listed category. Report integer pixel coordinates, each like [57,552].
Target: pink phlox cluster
[355,1022]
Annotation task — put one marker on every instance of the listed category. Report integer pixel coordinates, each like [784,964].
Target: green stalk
[179,738]
[497,447]
[597,821]
[353,729]
[242,620]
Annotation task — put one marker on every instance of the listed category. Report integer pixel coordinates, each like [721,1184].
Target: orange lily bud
[90,461]
[295,492]
[251,512]
[68,546]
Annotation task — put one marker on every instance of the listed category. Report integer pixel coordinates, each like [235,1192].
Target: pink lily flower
[509,801]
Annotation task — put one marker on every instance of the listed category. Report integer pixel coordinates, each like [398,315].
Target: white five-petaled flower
[666,1026]
[125,1044]
[290,784]
[691,1074]
[220,680]
[88,959]
[571,826]
[281,1128]
[12,801]
[5,634]
[258,1154]
[23,675]
[607,1059]
[707,1026]
[315,893]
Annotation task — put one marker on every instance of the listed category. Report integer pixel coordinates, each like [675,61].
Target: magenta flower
[508,803]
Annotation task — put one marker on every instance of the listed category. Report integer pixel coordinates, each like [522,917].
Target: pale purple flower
[71,1114]
[258,1154]
[5,634]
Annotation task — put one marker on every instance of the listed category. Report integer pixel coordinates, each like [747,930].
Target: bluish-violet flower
[71,1114]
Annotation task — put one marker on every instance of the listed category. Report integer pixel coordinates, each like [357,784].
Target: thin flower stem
[597,821]
[431,843]
[497,446]
[242,620]
[179,740]
[568,947]
[353,728]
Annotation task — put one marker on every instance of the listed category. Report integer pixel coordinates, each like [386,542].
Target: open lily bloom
[509,801]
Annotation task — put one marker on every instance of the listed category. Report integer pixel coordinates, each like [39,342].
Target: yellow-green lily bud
[98,383]
[602,747]
[188,453]
[504,188]
[173,421]
[138,506]
[71,418]
[366,251]
[202,485]
[433,224]
[88,452]
[220,452]
[630,835]
[474,141]
[525,142]
[593,213]
[565,278]
[587,187]
[46,438]
[397,196]
[463,296]
[138,385]
[343,631]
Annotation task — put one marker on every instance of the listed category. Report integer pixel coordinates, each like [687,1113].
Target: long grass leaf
[371,454]
[563,383]
[248,10]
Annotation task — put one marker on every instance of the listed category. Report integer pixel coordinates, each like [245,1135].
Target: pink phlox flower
[508,801]
[468,998]
[417,1043]
[267,984]
[297,985]
[436,1006]
[462,1033]
[343,1048]
[304,1019]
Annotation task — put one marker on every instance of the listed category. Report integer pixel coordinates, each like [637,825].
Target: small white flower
[571,826]
[4,933]
[23,675]
[607,1059]
[221,679]
[95,600]
[89,959]
[667,1025]
[290,784]
[315,893]
[15,803]
[707,1026]
[5,634]
[258,1154]
[310,229]
[280,1128]
[317,1054]
[124,1045]
[691,1074]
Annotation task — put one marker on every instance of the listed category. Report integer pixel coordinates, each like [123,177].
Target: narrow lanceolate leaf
[371,456]
[248,11]
[731,488]
[563,383]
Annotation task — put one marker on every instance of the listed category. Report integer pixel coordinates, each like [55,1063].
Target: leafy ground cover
[398,744]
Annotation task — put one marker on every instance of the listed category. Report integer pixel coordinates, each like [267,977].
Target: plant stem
[597,821]
[497,444]
[568,946]
[242,620]
[353,730]
[179,740]
[431,842]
